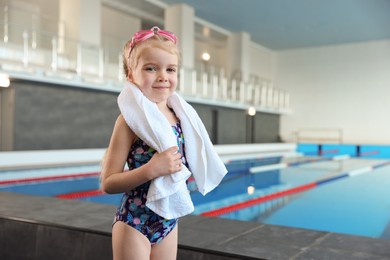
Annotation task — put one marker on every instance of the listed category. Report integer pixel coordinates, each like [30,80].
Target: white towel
[168,195]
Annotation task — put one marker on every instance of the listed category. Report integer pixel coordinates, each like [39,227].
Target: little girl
[151,61]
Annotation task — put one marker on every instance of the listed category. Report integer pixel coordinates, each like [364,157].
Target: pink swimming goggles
[143,35]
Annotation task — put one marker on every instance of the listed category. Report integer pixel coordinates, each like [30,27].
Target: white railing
[318,135]
[216,87]
[55,54]
[58,56]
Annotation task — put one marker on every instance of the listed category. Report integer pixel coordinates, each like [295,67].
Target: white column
[82,20]
[239,56]
[180,20]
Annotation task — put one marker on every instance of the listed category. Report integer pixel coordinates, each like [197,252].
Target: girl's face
[156,74]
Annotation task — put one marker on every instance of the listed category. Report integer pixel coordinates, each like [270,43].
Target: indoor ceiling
[286,24]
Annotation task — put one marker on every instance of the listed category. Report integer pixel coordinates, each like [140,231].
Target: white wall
[118,26]
[217,54]
[344,86]
[262,62]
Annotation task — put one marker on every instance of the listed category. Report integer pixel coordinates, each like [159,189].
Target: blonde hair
[130,60]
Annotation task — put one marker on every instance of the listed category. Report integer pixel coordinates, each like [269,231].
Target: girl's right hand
[164,163]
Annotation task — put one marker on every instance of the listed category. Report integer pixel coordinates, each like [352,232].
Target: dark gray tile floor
[220,238]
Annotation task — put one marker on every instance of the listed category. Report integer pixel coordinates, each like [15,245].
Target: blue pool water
[357,205]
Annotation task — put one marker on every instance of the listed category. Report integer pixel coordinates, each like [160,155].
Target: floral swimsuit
[132,209]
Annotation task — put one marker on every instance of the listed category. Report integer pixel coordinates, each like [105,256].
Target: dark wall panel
[206,113]
[48,116]
[55,117]
[231,126]
[266,127]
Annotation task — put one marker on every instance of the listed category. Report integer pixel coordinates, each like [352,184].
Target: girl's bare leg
[167,248]
[128,243]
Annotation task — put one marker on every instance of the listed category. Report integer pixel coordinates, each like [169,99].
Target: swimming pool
[331,193]
[356,205]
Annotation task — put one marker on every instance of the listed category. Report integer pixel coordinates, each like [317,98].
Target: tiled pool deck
[33,227]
